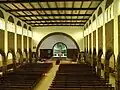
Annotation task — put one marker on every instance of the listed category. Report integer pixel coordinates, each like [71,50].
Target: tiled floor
[45,83]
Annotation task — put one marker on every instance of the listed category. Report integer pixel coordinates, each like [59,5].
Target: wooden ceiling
[51,12]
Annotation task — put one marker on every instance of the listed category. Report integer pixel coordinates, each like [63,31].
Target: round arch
[25,26]
[1,14]
[19,23]
[89,22]
[57,33]
[10,19]
[87,25]
[59,43]
[30,28]
[108,3]
[84,27]
[94,17]
[99,11]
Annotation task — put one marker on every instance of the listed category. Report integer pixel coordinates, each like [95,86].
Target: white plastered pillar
[6,38]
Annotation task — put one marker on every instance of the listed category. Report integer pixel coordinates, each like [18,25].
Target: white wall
[49,42]
[75,32]
[110,13]
[6,16]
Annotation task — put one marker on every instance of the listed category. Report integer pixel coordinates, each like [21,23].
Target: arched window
[25,30]
[2,22]
[110,11]
[99,11]
[19,23]
[59,48]
[19,28]
[94,17]
[108,3]
[25,26]
[1,14]
[87,25]
[30,28]
[10,24]
[29,32]
[84,28]
[10,19]
[89,22]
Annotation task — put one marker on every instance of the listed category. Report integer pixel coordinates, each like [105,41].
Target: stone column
[15,39]
[22,41]
[6,39]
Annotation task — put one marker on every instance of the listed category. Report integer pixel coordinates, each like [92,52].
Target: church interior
[59,44]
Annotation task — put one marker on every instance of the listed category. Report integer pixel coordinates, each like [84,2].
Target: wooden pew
[24,77]
[78,77]
[85,88]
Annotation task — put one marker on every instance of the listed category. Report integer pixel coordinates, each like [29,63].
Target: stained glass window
[60,48]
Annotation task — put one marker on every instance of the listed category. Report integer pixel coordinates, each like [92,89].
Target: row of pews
[25,77]
[78,77]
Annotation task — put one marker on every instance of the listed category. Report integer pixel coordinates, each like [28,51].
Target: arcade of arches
[96,44]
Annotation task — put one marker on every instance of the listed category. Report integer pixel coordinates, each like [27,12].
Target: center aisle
[47,80]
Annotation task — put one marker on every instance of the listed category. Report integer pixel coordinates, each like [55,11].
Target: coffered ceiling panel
[51,12]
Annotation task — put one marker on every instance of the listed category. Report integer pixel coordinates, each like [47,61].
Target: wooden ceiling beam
[55,20]
[26,1]
[49,9]
[58,23]
[55,15]
[54,25]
